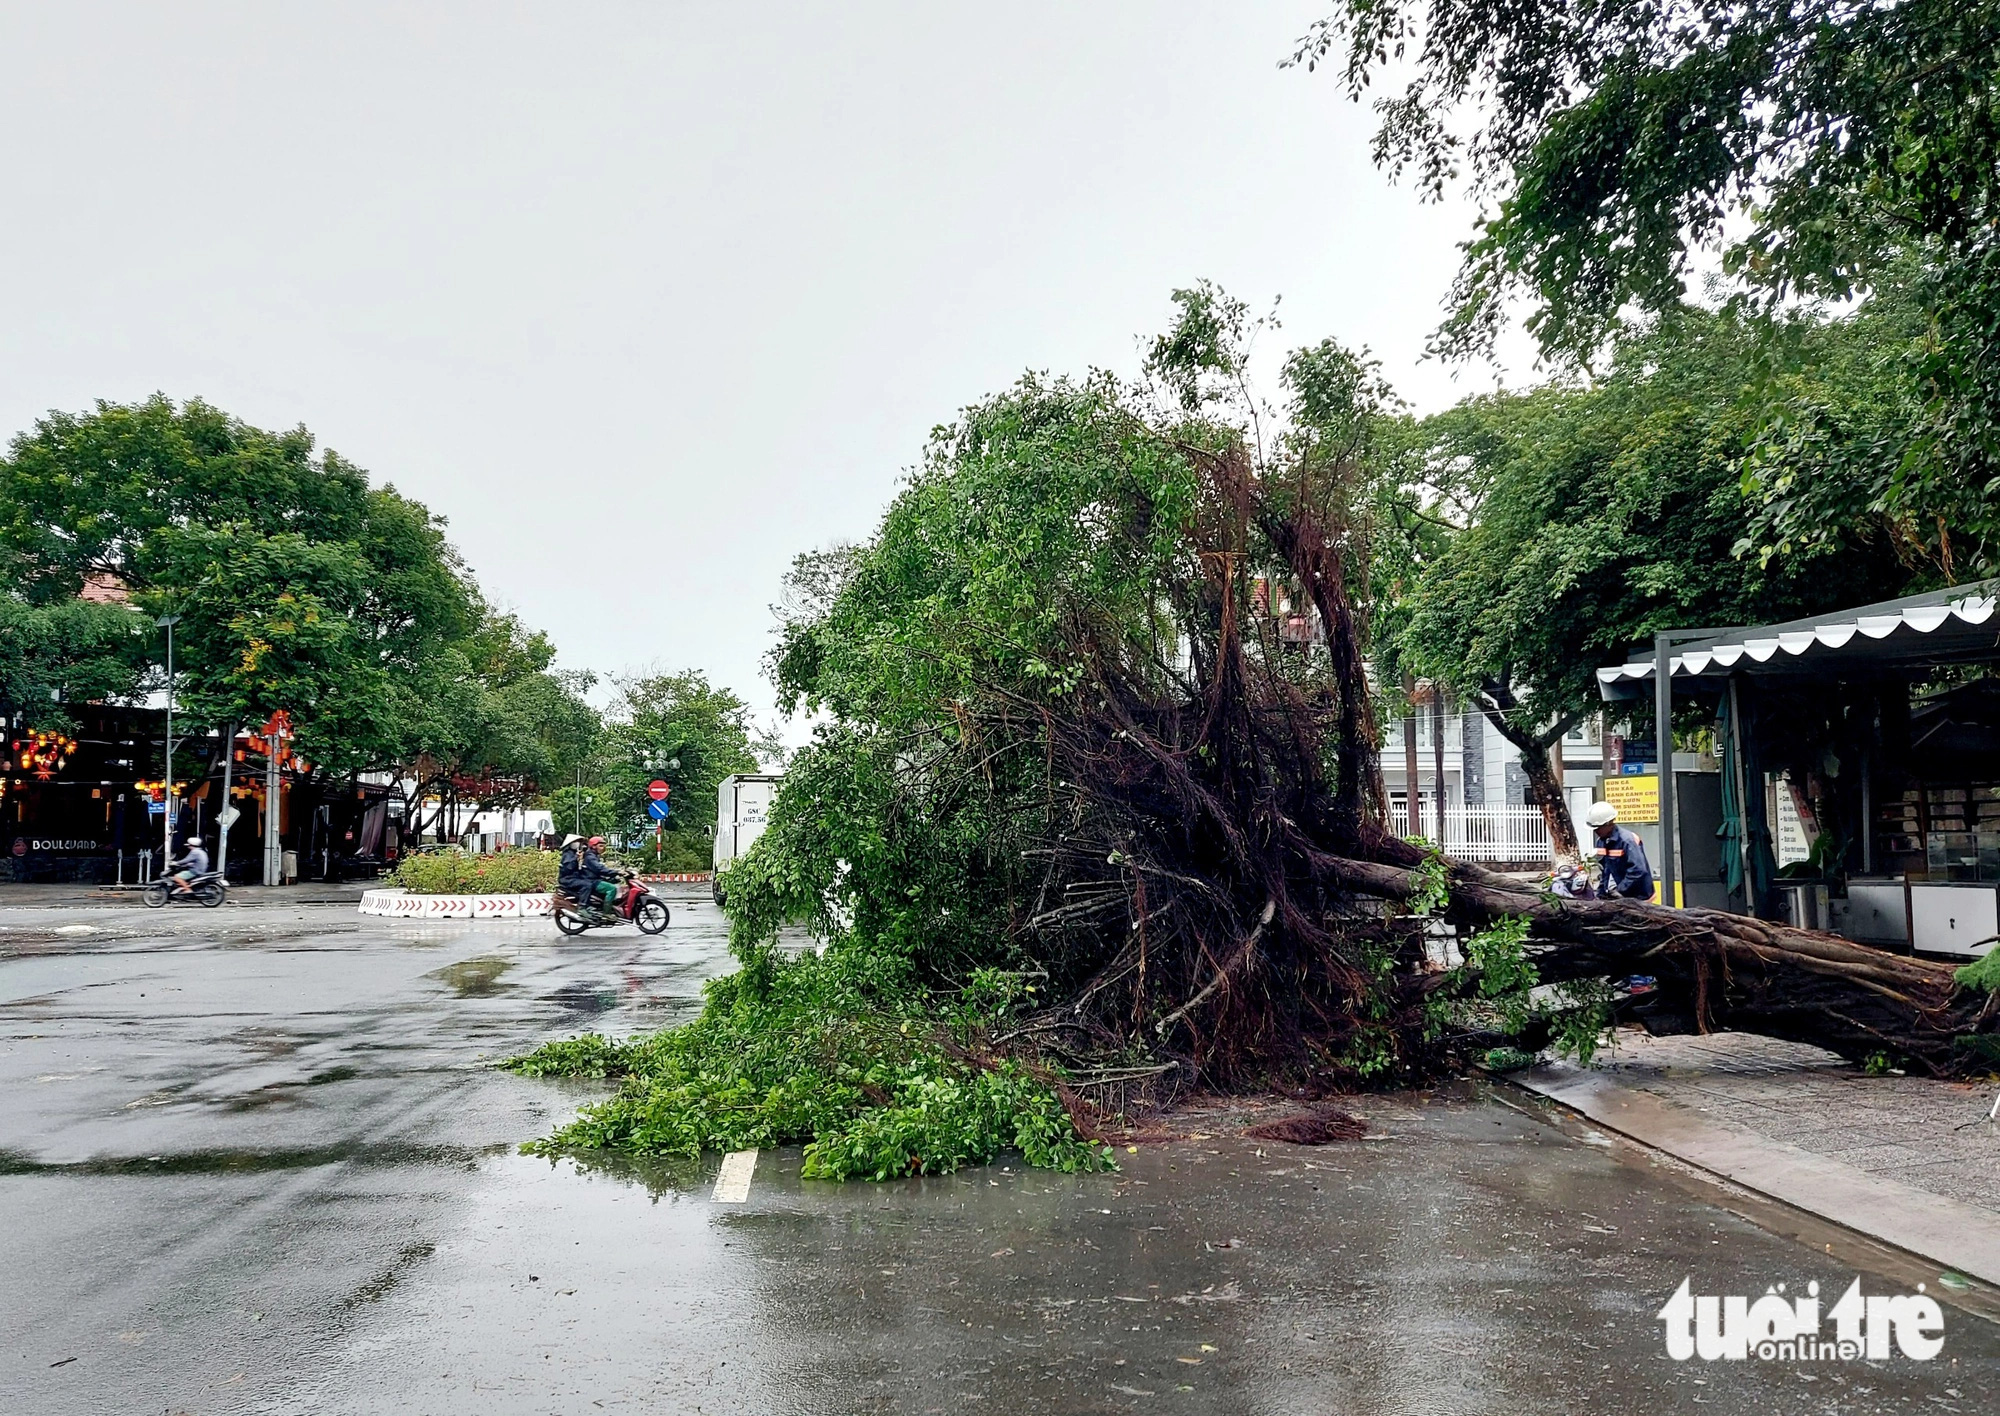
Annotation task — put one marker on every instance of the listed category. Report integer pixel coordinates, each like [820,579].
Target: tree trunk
[1545,790]
[1722,970]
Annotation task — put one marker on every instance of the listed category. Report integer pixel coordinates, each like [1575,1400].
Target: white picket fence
[1493,833]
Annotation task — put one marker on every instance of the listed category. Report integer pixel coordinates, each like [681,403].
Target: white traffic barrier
[401,904]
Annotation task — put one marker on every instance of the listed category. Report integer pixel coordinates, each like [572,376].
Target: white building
[1485,788]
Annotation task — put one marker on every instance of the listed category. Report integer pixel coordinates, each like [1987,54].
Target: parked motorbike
[635,904]
[208,890]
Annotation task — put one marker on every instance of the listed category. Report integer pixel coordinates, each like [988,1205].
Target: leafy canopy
[1822,149]
[683,730]
[298,586]
[1602,514]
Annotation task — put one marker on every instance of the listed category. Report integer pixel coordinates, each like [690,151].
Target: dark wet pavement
[255,1161]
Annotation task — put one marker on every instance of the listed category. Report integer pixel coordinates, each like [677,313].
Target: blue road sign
[659,810]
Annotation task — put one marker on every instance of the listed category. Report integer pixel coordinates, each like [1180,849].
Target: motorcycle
[207,890]
[635,905]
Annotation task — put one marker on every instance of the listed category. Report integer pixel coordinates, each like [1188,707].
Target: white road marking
[732,1182]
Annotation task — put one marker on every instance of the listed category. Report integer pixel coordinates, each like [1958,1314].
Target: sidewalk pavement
[1909,1161]
[39,896]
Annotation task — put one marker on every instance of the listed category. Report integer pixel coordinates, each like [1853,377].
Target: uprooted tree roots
[1222,890]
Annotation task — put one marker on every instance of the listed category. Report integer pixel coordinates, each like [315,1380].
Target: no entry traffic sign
[658,790]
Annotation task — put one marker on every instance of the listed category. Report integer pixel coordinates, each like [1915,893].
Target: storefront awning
[1915,634]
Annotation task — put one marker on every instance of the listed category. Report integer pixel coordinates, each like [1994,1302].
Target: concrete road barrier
[401,904]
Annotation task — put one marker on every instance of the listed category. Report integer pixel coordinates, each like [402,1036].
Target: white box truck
[742,806]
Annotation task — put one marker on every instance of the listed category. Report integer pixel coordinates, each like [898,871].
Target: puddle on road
[250,1162]
[475,978]
[586,998]
[662,1177]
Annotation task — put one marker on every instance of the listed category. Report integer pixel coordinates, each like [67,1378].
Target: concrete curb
[401,904]
[1946,1231]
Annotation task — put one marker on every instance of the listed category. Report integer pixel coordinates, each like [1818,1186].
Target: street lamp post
[167,622]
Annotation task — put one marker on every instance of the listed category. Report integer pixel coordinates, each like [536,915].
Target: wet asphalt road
[255,1161]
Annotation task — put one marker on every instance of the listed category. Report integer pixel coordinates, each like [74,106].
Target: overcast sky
[710,271]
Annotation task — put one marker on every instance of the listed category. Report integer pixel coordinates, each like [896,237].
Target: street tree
[680,729]
[1596,515]
[299,585]
[1807,149]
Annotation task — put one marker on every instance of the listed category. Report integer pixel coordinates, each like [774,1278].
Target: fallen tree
[1106,716]
[1097,814]
[1265,919]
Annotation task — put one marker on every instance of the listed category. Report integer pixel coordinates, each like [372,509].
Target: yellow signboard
[1637,798]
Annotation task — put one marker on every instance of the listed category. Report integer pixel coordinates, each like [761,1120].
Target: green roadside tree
[1601,514]
[1814,148]
[299,586]
[680,729]
[72,651]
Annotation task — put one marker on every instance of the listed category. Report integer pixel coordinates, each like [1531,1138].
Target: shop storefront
[89,804]
[76,805]
[1859,769]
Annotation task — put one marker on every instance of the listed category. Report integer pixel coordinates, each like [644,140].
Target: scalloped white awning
[1958,625]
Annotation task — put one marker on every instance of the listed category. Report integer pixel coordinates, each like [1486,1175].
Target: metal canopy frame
[1910,637]
[1906,637]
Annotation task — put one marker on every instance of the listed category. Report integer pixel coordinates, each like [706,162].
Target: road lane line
[732,1182]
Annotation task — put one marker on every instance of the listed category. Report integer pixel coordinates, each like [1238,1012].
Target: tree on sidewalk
[299,585]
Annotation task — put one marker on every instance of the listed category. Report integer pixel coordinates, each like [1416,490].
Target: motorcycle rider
[605,879]
[572,877]
[193,862]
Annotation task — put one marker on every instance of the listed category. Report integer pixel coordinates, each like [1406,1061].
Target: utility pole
[1412,797]
[225,818]
[1663,733]
[274,851]
[167,622]
[1437,755]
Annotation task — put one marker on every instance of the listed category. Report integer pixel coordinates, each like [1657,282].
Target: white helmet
[1601,813]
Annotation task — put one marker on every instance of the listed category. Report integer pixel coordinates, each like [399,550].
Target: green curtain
[1743,821]
[1730,832]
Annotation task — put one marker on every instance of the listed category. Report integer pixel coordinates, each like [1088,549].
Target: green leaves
[681,729]
[69,650]
[837,1050]
[299,586]
[1599,515]
[1576,1014]
[1822,149]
